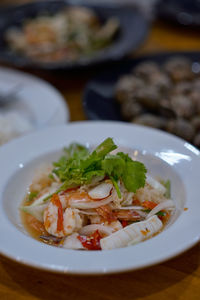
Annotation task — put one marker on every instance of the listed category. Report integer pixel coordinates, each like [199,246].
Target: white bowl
[164,155]
[39,102]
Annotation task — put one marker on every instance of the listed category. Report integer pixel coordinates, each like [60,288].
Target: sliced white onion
[130,207]
[81,204]
[40,200]
[101,191]
[163,205]
[90,213]
[57,179]
[139,210]
[36,211]
[142,213]
[155,184]
[72,242]
[88,229]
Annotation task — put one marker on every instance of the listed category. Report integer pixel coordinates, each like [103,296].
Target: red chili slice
[124,223]
[56,201]
[91,242]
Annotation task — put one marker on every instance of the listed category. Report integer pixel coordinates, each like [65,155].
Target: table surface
[178,278]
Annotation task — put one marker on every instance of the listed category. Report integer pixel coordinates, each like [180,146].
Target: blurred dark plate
[133,30]
[98,100]
[182,12]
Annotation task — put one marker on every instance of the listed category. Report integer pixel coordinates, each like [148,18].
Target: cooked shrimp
[106,213]
[77,195]
[95,219]
[72,221]
[128,215]
[59,222]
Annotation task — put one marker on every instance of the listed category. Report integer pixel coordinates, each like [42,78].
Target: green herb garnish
[167,185]
[32,195]
[146,210]
[78,166]
[161,213]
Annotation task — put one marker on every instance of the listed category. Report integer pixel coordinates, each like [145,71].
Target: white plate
[164,155]
[39,102]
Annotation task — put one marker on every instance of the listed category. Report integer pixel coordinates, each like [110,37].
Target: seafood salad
[68,35]
[96,200]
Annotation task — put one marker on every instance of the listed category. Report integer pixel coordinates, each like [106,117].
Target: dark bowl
[98,99]
[133,30]
[182,12]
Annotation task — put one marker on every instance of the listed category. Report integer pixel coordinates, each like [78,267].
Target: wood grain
[178,278]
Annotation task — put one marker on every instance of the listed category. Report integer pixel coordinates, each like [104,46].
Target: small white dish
[38,101]
[164,155]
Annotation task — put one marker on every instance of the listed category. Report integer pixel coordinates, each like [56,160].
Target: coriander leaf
[116,187]
[94,159]
[76,150]
[69,165]
[114,166]
[88,176]
[104,148]
[78,166]
[134,176]
[124,156]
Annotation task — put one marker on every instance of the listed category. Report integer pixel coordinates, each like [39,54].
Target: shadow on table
[131,285]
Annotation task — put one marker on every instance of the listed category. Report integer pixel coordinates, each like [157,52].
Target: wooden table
[178,278]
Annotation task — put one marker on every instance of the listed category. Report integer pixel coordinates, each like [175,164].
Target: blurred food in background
[28,104]
[68,35]
[163,96]
[12,125]
[182,12]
